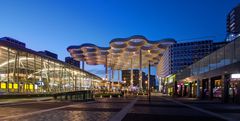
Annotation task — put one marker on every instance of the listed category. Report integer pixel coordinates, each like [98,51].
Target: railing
[85,95]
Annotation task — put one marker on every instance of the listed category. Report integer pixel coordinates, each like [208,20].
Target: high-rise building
[73,62]
[185,54]
[233,23]
[180,55]
[153,81]
[126,76]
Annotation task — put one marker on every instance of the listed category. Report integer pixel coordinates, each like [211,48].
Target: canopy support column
[106,71]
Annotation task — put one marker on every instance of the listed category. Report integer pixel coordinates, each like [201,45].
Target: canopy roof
[121,51]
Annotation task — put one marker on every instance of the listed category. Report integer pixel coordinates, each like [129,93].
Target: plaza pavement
[160,108]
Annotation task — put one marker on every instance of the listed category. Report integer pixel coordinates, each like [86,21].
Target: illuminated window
[3,85]
[10,85]
[15,86]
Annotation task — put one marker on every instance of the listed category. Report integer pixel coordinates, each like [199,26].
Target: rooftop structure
[122,52]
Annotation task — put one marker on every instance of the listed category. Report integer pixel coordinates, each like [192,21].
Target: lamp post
[146,82]
[149,72]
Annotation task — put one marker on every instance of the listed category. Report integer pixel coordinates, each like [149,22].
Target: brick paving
[160,109]
[227,110]
[100,110]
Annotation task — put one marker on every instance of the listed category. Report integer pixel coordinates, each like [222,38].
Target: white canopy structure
[123,53]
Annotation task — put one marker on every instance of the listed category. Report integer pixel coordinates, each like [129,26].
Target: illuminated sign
[171,78]
[235,76]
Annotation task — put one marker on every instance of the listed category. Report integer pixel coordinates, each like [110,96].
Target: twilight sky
[55,24]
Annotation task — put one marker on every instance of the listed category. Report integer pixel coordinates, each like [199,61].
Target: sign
[235,76]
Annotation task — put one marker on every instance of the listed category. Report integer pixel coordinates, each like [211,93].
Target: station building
[23,70]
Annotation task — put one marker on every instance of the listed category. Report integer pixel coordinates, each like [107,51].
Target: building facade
[23,70]
[180,55]
[233,23]
[126,76]
[216,76]
[185,54]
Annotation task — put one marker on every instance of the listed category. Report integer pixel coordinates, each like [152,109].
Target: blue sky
[55,24]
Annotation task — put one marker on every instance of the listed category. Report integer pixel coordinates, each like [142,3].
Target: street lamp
[149,72]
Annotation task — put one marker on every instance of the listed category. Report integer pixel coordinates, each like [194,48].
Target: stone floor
[160,108]
[99,110]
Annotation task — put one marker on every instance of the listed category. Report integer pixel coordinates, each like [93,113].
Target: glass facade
[185,54]
[222,57]
[25,71]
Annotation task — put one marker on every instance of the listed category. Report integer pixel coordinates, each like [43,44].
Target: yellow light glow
[3,85]
[31,86]
[15,86]
[10,86]
[25,86]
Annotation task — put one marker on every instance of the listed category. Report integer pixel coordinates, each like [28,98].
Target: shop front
[234,88]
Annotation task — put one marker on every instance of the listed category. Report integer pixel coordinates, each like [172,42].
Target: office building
[215,76]
[126,76]
[185,54]
[233,23]
[153,82]
[180,55]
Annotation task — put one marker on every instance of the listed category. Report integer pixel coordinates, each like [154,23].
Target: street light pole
[140,70]
[149,72]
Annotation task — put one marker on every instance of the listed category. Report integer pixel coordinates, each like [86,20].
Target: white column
[106,71]
[112,78]
[159,84]
[198,88]
[106,68]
